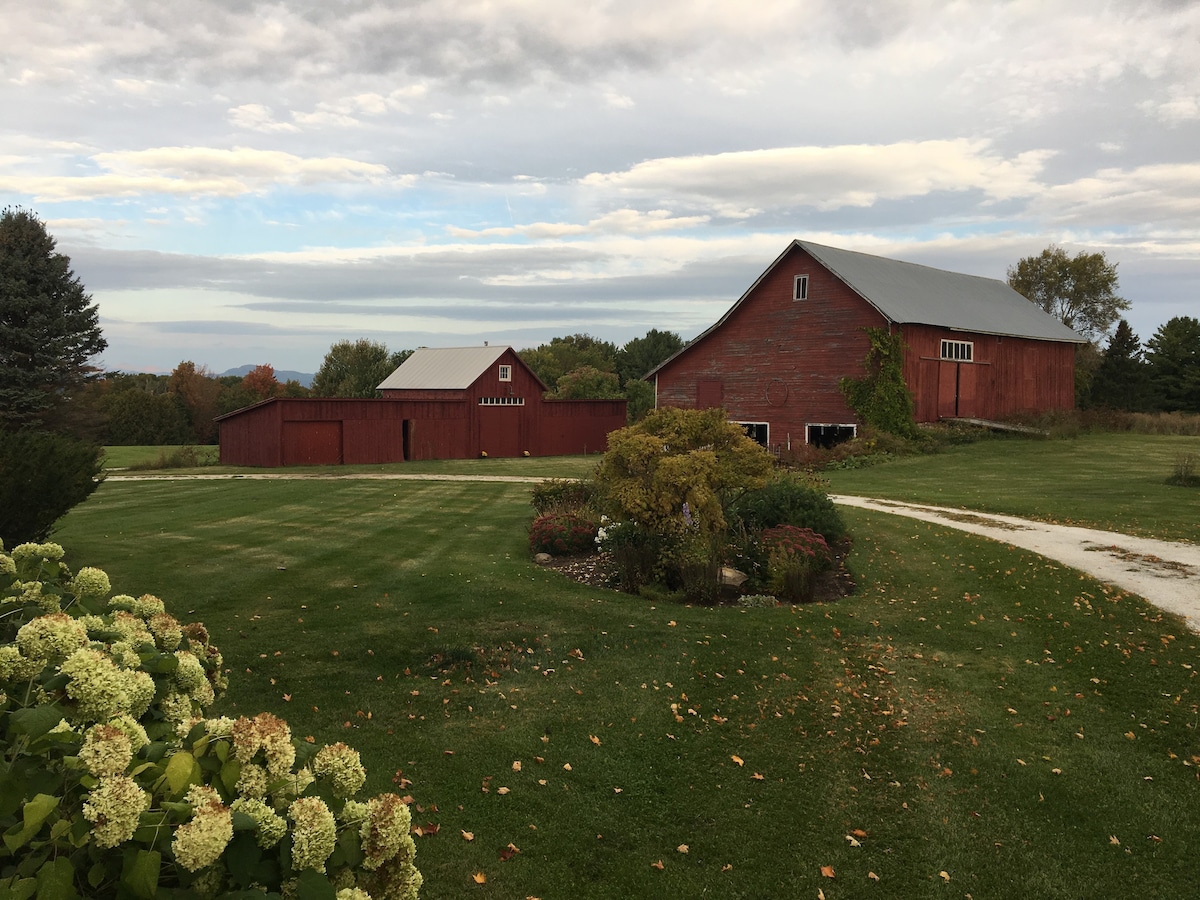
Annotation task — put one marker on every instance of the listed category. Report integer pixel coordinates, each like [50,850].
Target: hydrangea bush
[113,783]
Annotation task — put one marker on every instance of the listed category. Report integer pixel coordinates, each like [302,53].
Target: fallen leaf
[595,740]
[858,832]
[502,790]
[657,865]
[1112,839]
[945,875]
[1130,735]
[468,835]
[509,852]
[854,842]
[757,776]
[516,766]
[682,848]
[737,759]
[479,878]
[728,867]
[820,894]
[567,766]
[828,872]
[872,876]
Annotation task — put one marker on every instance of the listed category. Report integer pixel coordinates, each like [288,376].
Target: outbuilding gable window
[960,351]
[800,288]
[506,373]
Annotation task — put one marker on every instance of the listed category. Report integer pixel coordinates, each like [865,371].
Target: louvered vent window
[960,351]
[501,401]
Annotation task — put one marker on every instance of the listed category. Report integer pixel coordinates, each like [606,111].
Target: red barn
[442,403]
[974,347]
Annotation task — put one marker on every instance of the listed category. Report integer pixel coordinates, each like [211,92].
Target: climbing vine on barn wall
[881,398]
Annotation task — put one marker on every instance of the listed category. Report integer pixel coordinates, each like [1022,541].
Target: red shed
[974,347]
[442,403]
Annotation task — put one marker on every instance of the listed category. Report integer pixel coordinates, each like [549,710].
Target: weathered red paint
[416,425]
[779,361]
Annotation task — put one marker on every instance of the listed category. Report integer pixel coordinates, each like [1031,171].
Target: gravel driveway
[1167,573]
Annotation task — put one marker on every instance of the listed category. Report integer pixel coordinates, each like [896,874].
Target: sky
[243,183]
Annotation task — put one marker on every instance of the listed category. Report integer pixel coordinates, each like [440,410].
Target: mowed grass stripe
[887,713]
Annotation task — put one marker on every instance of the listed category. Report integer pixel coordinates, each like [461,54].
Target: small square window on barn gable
[800,288]
[506,373]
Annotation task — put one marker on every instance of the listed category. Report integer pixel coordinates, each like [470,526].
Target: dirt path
[1167,573]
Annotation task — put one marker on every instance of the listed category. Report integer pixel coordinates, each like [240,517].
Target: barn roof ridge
[913,293]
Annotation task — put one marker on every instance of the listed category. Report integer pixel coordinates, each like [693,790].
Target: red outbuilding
[974,347]
[442,403]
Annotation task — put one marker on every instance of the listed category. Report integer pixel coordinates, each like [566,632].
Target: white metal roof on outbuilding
[442,368]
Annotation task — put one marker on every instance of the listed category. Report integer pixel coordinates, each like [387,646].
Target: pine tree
[49,326]
[1173,356]
[1122,380]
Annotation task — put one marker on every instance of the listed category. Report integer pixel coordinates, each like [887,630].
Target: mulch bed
[598,570]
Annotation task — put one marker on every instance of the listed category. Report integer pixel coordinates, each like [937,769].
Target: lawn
[1110,481]
[974,710]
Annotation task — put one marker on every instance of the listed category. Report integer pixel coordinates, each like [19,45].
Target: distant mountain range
[281,375]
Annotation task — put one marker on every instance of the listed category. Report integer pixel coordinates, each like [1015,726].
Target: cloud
[201,171]
[741,184]
[620,221]
[257,117]
[1157,195]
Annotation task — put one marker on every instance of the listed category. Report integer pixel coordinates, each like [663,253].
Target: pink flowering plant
[113,783]
[795,556]
[562,533]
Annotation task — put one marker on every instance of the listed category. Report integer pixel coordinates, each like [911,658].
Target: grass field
[973,710]
[1110,481]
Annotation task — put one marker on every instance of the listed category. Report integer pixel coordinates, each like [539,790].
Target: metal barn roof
[442,368]
[909,293]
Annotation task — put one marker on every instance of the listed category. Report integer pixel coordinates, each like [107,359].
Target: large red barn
[442,403]
[974,347]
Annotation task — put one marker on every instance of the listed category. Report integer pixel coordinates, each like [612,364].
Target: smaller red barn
[442,403]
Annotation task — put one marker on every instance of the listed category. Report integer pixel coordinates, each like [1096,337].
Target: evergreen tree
[1122,380]
[642,354]
[49,328]
[1173,357]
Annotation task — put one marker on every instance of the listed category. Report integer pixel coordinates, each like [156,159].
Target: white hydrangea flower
[51,637]
[113,807]
[106,750]
[315,834]
[201,841]
[90,582]
[271,827]
[342,766]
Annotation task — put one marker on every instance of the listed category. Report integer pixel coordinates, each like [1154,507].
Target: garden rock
[542,558]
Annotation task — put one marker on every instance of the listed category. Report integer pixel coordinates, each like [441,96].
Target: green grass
[578,466]
[928,712]
[1111,481]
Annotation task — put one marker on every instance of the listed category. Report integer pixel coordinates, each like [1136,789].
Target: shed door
[500,430]
[312,443]
[956,390]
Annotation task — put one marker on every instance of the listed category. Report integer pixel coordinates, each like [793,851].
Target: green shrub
[559,495]
[188,456]
[562,534]
[791,498]
[114,785]
[796,556]
[42,475]
[635,553]
[1185,474]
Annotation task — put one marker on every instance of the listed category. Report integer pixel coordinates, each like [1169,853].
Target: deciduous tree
[199,391]
[355,369]
[1079,290]
[552,361]
[261,382]
[640,355]
[588,383]
[49,326]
